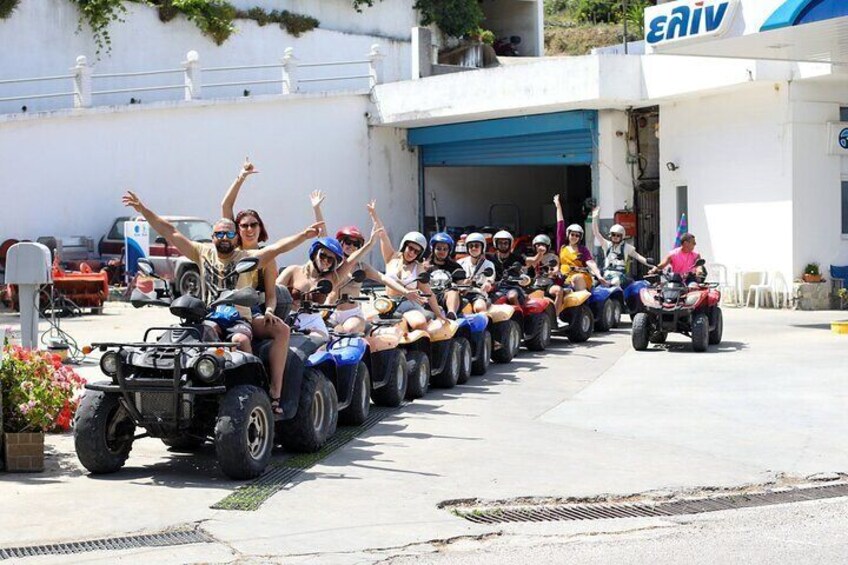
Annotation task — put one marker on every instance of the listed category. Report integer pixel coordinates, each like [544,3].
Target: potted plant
[38,395]
[812,274]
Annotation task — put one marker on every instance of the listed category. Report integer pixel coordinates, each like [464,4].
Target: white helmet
[475,238]
[503,234]
[543,239]
[576,228]
[618,229]
[414,237]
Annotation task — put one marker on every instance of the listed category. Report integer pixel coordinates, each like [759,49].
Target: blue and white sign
[686,21]
[838,134]
[136,244]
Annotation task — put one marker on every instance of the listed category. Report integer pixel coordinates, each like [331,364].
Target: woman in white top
[475,265]
[617,253]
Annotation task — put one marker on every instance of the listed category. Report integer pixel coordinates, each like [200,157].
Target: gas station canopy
[789,30]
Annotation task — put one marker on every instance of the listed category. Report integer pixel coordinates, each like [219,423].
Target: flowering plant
[39,392]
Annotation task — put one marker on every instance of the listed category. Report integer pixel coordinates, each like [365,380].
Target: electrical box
[28,263]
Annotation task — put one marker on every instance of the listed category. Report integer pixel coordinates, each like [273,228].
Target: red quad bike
[673,306]
[536,316]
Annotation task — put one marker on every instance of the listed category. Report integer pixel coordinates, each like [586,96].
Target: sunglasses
[474,245]
[224,235]
[574,234]
[250,226]
[326,257]
[615,235]
[354,242]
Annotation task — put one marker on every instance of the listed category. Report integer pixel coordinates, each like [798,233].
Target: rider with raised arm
[617,252]
[475,264]
[682,261]
[405,267]
[348,316]
[216,262]
[573,255]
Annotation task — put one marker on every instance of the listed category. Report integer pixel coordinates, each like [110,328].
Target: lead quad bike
[672,305]
[185,386]
[575,317]
[433,356]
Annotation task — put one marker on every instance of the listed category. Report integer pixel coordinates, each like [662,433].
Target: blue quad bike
[607,304]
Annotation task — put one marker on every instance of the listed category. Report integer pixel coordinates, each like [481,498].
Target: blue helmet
[442,237]
[330,244]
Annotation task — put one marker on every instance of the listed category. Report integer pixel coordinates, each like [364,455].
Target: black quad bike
[184,386]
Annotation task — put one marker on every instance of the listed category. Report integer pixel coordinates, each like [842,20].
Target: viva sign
[687,20]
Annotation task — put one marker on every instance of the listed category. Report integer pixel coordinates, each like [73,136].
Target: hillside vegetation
[575,27]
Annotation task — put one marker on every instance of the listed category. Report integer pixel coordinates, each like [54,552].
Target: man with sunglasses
[217,265]
[683,260]
[617,252]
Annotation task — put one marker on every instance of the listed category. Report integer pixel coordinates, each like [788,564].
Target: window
[844,206]
[682,202]
[843,114]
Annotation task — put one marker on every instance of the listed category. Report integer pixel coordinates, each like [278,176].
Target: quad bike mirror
[359,276]
[515,270]
[459,275]
[145,266]
[323,287]
[524,280]
[700,262]
[139,299]
[651,261]
[552,263]
[488,272]
[424,278]
[247,264]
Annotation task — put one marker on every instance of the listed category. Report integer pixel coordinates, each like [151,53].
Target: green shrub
[7,7]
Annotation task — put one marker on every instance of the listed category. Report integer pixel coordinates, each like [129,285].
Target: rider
[405,267]
[348,316]
[546,264]
[264,323]
[441,248]
[217,262]
[617,252]
[683,261]
[474,264]
[573,255]
[503,258]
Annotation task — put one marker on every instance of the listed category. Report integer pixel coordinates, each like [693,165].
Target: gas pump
[28,266]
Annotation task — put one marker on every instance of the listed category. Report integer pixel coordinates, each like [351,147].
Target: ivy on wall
[457,18]
[7,7]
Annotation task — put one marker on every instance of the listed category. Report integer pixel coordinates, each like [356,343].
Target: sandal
[276,409]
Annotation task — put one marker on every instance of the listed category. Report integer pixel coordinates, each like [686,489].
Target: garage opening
[502,174]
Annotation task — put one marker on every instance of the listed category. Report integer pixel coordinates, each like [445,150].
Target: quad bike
[606,302]
[674,306]
[433,355]
[186,386]
[575,317]
[534,316]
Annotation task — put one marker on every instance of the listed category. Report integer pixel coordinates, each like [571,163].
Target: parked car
[172,266]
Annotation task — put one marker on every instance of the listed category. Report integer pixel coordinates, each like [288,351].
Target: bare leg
[354,325]
[280,333]
[556,292]
[416,320]
[480,306]
[243,342]
[452,301]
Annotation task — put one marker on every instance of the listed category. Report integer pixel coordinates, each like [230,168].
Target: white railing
[85,93]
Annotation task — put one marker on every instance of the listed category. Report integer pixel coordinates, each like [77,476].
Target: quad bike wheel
[465,360]
[715,334]
[189,282]
[103,432]
[449,377]
[607,318]
[509,341]
[639,333]
[580,329]
[418,369]
[316,418]
[392,393]
[616,320]
[700,332]
[244,432]
[481,364]
[541,330]
[360,404]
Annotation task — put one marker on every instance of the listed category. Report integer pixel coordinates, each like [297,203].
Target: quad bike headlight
[383,305]
[207,368]
[692,298]
[110,362]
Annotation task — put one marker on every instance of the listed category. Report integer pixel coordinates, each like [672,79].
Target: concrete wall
[517,17]
[615,184]
[464,194]
[64,175]
[735,154]
[817,176]
[40,39]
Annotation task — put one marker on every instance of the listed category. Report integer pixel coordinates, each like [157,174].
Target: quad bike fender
[631,292]
[476,323]
[537,305]
[500,313]
[382,341]
[576,298]
[382,365]
[442,331]
[348,350]
[414,336]
[537,294]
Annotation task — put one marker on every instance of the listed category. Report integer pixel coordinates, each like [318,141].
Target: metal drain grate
[601,511]
[162,539]
[252,495]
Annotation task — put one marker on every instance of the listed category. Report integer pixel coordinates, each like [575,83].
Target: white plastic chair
[780,291]
[751,280]
[717,273]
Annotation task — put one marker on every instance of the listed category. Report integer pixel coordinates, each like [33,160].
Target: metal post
[624,19]
[375,67]
[193,84]
[82,83]
[290,85]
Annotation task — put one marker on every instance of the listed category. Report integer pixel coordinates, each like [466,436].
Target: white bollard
[290,85]
[375,66]
[193,85]
[82,83]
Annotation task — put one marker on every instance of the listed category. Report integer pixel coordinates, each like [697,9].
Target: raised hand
[132,201]
[316,198]
[372,208]
[556,200]
[596,212]
[247,169]
[313,230]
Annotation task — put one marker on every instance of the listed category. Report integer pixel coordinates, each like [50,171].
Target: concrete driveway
[576,421]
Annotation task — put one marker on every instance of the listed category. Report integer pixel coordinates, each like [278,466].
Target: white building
[737,124]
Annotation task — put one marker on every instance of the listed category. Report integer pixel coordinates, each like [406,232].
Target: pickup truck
[169,263]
